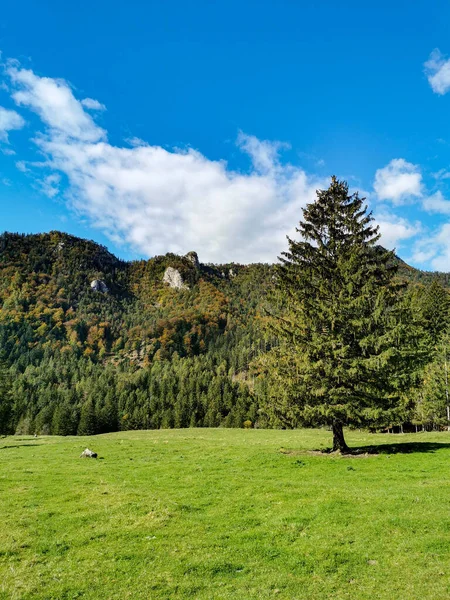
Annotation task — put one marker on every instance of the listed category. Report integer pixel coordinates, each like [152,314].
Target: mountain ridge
[100,249]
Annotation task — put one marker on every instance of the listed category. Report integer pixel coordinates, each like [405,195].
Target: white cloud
[159,200]
[423,254]
[436,204]
[263,154]
[437,70]
[92,104]
[22,166]
[53,101]
[394,229]
[9,120]
[441,262]
[441,174]
[434,250]
[135,141]
[399,182]
[50,185]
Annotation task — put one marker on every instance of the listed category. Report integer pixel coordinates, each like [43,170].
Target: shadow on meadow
[400,448]
[18,446]
[375,449]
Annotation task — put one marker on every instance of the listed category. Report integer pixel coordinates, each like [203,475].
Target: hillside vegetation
[143,354]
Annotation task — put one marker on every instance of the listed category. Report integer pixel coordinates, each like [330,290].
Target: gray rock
[99,286]
[173,278]
[193,258]
[88,454]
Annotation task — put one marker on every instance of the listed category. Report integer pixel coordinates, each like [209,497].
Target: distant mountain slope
[417,276]
[91,341]
[94,343]
[52,284]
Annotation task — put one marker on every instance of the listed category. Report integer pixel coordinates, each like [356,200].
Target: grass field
[217,513]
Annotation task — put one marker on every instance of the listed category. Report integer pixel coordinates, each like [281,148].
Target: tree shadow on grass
[373,450]
[396,448]
[18,446]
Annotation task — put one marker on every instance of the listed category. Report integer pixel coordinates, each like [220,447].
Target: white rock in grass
[88,454]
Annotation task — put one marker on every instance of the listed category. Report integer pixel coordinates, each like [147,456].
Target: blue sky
[171,126]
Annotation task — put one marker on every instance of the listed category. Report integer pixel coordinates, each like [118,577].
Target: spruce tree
[87,423]
[6,403]
[434,305]
[336,316]
[433,397]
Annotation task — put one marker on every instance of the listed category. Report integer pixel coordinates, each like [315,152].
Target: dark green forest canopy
[141,355]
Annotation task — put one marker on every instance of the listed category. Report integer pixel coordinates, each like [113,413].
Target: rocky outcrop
[173,278]
[99,286]
[193,258]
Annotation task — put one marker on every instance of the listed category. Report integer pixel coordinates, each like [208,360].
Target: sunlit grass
[217,513]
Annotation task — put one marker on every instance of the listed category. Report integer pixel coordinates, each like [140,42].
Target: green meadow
[223,513]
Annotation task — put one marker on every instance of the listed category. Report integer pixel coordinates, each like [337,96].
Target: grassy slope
[223,514]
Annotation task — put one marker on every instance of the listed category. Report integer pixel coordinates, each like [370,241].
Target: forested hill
[412,275]
[91,344]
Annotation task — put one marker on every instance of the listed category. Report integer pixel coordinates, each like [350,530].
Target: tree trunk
[338,438]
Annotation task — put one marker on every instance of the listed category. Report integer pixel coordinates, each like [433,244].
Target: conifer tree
[433,402]
[87,424]
[436,311]
[430,305]
[337,319]
[5,402]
